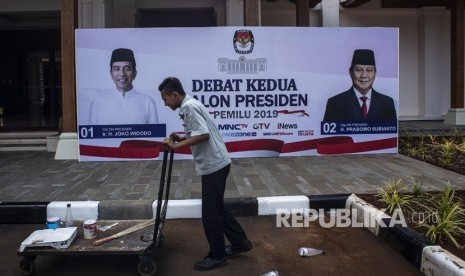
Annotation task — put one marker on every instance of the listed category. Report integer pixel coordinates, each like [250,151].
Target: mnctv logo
[232,126]
[243,41]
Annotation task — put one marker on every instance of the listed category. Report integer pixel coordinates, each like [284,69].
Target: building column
[302,8]
[252,12]
[234,12]
[330,13]
[68,144]
[431,104]
[94,13]
[456,114]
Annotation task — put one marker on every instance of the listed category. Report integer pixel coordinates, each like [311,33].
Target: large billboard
[273,91]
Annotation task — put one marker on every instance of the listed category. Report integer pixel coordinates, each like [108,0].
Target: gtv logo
[261,126]
[232,126]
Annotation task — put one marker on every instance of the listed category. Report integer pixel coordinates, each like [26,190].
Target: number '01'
[87,132]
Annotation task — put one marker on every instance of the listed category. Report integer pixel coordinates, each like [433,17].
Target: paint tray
[59,238]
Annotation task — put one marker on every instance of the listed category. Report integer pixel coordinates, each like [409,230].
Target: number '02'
[329,127]
[87,132]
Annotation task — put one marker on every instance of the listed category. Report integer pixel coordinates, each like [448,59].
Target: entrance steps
[25,140]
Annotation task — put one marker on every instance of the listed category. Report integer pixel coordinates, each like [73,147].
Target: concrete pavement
[348,251]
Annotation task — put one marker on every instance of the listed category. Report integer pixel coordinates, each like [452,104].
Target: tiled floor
[36,176]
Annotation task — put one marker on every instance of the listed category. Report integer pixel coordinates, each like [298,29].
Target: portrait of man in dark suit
[361,102]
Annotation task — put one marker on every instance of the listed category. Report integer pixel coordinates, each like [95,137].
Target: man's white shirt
[116,108]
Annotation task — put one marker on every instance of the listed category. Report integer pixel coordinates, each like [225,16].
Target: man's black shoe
[245,246]
[210,263]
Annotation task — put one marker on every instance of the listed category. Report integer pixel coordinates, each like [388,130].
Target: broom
[130,230]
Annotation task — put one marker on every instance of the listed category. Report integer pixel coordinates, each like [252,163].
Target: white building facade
[425,44]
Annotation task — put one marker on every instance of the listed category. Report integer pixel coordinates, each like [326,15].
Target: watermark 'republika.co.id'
[337,218]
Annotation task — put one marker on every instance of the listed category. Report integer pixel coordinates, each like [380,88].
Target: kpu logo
[243,41]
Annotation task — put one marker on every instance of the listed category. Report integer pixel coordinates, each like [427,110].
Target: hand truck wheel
[27,266]
[147,268]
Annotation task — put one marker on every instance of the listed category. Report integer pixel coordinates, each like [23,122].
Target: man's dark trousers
[216,220]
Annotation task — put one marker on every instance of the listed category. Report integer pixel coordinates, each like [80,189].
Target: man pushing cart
[213,163]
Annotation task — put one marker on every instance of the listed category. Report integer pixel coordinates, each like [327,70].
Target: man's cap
[122,54]
[364,57]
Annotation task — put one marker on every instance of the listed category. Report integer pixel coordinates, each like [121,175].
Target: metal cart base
[135,243]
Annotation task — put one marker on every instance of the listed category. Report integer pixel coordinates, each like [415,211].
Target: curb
[419,251]
[430,259]
[23,212]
